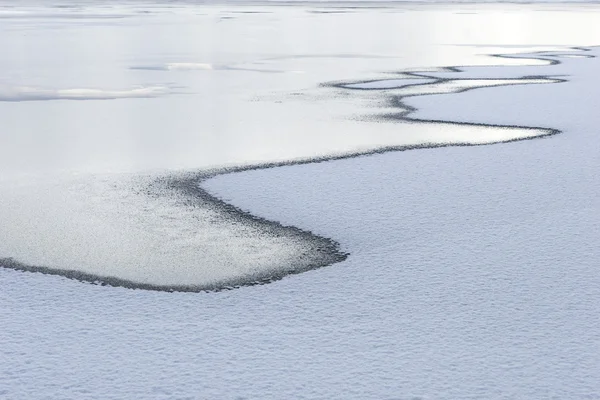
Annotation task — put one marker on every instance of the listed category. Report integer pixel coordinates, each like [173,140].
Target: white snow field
[454,272]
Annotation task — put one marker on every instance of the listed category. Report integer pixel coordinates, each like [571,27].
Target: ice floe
[24,93]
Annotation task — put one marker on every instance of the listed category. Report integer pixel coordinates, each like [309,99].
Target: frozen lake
[449,272]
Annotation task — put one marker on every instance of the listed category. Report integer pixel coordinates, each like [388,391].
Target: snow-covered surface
[472,270]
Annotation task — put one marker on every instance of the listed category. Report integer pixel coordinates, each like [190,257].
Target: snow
[472,271]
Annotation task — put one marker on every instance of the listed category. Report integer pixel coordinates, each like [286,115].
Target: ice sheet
[473,271]
[208,106]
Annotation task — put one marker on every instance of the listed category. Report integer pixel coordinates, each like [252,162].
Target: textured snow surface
[473,271]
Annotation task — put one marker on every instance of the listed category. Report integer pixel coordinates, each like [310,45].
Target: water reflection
[232,116]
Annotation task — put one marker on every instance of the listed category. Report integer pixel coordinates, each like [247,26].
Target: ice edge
[328,251]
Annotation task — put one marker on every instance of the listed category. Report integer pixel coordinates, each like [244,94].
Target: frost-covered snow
[472,270]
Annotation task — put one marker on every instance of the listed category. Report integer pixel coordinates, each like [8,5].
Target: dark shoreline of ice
[318,251]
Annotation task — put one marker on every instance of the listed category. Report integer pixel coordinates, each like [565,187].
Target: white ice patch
[188,66]
[25,93]
[199,66]
[574,56]
[415,87]
[178,66]
[458,85]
